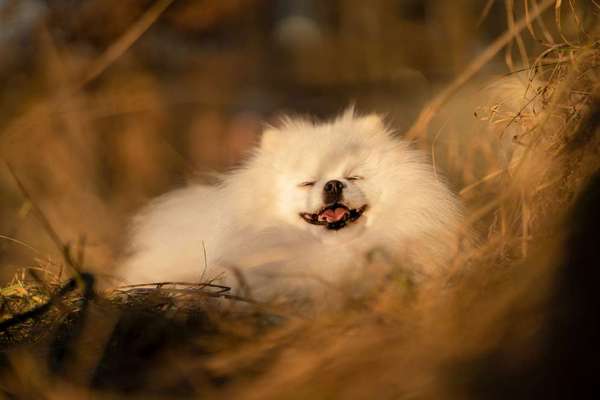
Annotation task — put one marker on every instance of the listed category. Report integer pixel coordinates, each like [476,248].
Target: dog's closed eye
[307,184]
[354,178]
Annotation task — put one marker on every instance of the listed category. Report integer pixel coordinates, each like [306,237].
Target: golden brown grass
[395,342]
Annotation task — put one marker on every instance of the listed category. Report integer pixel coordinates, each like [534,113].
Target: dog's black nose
[333,187]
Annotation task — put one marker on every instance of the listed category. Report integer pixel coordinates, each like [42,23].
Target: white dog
[308,206]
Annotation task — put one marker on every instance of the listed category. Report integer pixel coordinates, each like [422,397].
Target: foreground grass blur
[98,117]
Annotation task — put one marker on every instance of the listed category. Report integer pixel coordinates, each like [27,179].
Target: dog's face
[329,179]
[341,203]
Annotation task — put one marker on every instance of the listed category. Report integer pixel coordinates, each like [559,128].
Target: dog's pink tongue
[333,215]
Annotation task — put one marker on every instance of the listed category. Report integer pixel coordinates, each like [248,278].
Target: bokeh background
[105,104]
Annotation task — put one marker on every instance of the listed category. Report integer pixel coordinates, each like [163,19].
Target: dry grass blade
[540,22]
[21,243]
[118,48]
[528,19]
[510,16]
[558,21]
[63,248]
[486,178]
[485,12]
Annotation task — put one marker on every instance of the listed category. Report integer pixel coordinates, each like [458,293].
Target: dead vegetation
[472,336]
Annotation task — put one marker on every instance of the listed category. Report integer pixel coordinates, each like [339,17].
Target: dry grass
[518,166]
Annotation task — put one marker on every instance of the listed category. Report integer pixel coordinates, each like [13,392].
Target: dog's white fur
[249,226]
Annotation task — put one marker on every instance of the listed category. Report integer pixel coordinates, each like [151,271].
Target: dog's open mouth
[334,216]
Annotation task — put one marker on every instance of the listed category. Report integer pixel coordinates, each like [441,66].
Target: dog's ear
[270,139]
[372,122]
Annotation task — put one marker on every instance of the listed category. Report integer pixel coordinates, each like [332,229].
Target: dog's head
[332,179]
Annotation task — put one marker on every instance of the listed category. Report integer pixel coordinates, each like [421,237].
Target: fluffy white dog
[309,205]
